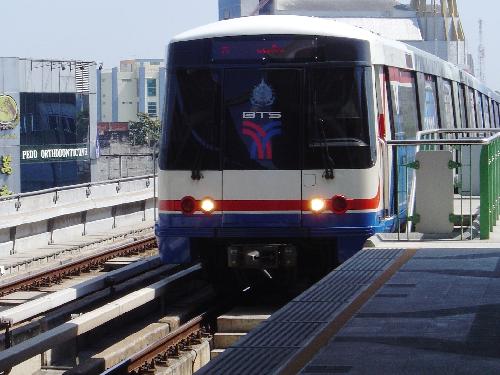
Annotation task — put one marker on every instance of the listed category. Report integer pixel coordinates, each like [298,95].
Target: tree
[144,131]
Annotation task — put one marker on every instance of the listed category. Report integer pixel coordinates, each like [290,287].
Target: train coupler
[262,256]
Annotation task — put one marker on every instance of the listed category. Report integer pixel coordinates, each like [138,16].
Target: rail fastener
[170,345]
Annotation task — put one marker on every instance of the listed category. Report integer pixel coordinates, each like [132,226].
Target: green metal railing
[461,140]
[490,186]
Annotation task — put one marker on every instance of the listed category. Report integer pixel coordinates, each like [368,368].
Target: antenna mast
[481,53]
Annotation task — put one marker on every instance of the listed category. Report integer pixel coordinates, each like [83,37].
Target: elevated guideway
[57,223]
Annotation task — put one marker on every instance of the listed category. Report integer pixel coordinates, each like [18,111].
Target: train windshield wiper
[202,146]
[328,162]
[200,151]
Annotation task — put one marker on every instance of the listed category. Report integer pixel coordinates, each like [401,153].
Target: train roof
[384,51]
[276,24]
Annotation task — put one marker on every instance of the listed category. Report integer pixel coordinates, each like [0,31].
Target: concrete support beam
[86,322]
[39,306]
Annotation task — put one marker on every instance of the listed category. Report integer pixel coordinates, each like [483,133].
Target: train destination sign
[275,49]
[33,154]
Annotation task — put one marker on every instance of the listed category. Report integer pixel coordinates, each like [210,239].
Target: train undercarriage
[233,265]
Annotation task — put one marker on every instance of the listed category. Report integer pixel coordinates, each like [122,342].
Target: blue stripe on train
[351,230]
[284,220]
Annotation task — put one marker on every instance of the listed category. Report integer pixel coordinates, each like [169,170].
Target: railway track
[235,316]
[159,352]
[94,320]
[85,264]
[112,311]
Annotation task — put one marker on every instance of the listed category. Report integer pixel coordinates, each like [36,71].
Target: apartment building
[136,86]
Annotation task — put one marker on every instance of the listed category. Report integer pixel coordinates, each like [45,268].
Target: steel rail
[193,329]
[441,142]
[80,265]
[170,345]
[189,330]
[465,141]
[71,187]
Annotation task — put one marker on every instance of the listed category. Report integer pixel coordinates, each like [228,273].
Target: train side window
[479,110]
[431,118]
[494,105]
[497,114]
[463,106]
[491,105]
[404,103]
[486,110]
[471,109]
[447,106]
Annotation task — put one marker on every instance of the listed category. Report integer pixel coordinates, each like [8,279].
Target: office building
[136,86]
[47,123]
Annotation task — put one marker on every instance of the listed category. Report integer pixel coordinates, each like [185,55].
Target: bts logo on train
[259,132]
[261,115]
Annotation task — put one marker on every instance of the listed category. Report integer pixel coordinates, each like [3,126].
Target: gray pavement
[439,314]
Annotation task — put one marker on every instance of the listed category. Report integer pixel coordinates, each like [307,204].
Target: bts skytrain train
[273,156]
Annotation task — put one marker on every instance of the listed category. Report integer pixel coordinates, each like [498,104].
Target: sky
[112,30]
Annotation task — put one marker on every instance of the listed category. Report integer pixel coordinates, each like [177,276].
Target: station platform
[397,308]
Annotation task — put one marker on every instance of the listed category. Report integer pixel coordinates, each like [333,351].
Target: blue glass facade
[54,135]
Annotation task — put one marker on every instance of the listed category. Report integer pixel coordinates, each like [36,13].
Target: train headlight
[317,205]
[339,204]
[207,205]
[188,205]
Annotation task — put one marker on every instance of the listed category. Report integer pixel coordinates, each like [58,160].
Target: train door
[404,125]
[261,164]
[384,133]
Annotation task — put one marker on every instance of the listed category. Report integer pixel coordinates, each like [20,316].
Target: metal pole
[154,181]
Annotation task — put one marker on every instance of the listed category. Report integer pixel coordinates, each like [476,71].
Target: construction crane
[481,53]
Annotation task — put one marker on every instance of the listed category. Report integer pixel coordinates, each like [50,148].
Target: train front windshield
[234,113]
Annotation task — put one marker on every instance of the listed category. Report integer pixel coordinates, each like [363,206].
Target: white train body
[278,125]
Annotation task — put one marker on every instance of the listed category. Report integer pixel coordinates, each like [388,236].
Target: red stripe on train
[273,205]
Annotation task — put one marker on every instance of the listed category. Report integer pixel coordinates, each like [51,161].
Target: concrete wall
[30,222]
[113,167]
[9,139]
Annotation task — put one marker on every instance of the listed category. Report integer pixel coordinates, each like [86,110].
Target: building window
[151,82]
[152,109]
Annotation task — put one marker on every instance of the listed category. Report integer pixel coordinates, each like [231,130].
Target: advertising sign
[46,153]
